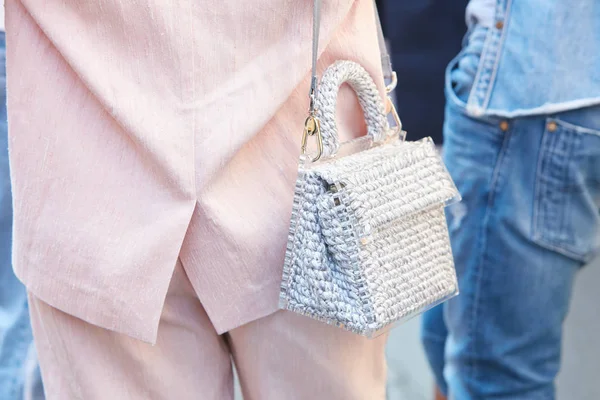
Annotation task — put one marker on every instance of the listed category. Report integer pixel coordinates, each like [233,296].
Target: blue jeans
[529,219]
[16,342]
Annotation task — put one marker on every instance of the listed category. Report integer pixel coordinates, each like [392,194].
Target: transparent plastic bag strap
[386,64]
[362,83]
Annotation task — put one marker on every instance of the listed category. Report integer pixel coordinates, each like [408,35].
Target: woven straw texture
[368,96]
[368,243]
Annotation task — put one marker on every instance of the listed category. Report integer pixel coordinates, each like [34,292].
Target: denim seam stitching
[565,252]
[575,128]
[489,62]
[538,189]
[565,203]
[574,143]
[502,154]
[499,45]
[537,215]
[477,82]
[481,82]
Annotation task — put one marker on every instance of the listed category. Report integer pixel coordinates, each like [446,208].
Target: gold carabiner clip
[391,109]
[312,127]
[392,85]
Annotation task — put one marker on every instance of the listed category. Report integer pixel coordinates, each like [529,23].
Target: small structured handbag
[368,242]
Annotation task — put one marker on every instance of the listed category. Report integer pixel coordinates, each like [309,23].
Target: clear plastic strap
[315,53]
[386,64]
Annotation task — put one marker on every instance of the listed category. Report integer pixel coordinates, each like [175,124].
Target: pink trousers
[280,357]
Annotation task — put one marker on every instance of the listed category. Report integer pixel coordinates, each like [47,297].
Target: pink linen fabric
[281,356]
[143,132]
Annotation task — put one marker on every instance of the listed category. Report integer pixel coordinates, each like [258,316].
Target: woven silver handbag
[368,242]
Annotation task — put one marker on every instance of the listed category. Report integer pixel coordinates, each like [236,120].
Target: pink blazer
[144,131]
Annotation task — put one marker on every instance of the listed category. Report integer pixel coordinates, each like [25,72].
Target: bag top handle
[386,64]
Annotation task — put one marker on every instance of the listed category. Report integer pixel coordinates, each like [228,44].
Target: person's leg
[472,173]
[529,219]
[472,183]
[433,336]
[85,362]
[291,357]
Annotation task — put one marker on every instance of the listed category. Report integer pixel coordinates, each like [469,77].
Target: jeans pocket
[567,198]
[462,70]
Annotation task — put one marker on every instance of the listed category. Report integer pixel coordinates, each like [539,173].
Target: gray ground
[409,377]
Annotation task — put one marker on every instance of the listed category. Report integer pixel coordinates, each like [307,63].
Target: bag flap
[389,182]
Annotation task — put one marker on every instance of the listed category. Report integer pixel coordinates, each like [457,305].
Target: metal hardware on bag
[334,188]
[392,85]
[391,109]
[312,127]
[312,95]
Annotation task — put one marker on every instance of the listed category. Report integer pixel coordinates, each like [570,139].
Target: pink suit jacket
[144,131]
